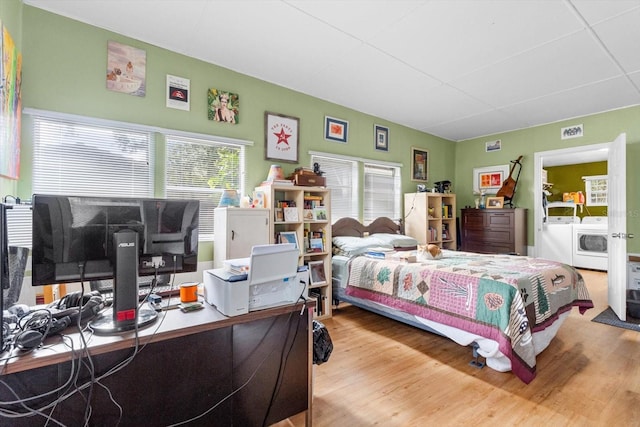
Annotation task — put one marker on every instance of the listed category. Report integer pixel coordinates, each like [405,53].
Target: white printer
[273,280]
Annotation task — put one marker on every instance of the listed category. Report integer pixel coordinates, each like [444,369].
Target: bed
[507,307]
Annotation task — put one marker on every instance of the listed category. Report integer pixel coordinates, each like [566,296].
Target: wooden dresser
[494,230]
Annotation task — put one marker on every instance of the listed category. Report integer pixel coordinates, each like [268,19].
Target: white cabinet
[236,231]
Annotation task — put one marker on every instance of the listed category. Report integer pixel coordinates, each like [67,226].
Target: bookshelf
[304,212]
[431,218]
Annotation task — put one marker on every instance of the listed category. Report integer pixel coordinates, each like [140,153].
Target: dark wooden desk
[256,368]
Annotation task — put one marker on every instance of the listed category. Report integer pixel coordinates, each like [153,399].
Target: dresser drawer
[500,220]
[489,235]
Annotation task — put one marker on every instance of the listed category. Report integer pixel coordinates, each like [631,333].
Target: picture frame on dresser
[495,202]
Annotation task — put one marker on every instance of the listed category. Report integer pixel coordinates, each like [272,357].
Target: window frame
[596,196]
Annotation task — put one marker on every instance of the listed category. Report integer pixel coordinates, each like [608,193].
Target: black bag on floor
[322,344]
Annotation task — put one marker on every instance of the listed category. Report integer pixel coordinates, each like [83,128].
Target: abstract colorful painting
[10,105]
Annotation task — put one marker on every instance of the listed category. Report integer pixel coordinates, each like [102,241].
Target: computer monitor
[73,236]
[78,238]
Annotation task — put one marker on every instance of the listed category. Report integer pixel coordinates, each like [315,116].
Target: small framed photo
[381,135]
[493,145]
[495,202]
[319,214]
[291,214]
[307,214]
[289,237]
[278,214]
[336,129]
[316,244]
[419,164]
[316,273]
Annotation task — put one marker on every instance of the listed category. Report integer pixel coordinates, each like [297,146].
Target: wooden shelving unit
[305,225]
[431,218]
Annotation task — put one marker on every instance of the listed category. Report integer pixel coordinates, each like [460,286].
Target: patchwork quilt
[501,297]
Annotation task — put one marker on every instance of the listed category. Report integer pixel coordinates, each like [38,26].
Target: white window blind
[75,158]
[201,169]
[19,225]
[381,192]
[342,179]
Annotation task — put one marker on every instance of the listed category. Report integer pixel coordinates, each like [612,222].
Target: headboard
[351,227]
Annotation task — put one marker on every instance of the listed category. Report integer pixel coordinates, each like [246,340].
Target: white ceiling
[456,69]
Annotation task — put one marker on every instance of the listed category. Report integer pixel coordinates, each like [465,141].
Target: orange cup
[189,292]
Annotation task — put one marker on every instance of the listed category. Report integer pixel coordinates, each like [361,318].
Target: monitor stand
[105,324]
[124,315]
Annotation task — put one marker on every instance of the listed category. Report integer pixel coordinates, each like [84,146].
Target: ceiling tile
[607,95]
[450,39]
[595,11]
[566,63]
[621,36]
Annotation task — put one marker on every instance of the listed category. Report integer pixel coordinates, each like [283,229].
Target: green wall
[598,128]
[567,179]
[65,69]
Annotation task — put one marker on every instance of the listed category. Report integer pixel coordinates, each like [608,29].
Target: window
[342,179]
[596,188]
[84,159]
[381,186]
[201,169]
[381,192]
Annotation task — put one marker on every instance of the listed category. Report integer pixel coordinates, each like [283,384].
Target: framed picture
[335,129]
[307,214]
[178,92]
[289,237]
[278,214]
[223,106]
[281,139]
[493,145]
[419,164]
[126,69]
[495,202]
[319,214]
[291,214]
[489,179]
[381,135]
[316,273]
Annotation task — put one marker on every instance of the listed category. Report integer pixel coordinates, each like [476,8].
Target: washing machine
[556,238]
[590,239]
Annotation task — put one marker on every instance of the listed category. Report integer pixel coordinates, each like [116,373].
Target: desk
[186,364]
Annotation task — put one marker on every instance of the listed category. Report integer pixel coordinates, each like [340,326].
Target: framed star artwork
[281,137]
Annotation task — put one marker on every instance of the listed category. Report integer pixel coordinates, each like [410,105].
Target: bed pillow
[352,246]
[398,241]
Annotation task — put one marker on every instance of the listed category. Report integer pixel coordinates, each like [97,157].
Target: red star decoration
[282,137]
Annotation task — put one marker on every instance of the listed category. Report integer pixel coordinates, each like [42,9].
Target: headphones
[65,312]
[76,305]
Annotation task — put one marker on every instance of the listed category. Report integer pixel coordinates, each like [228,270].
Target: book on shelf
[317,295]
[285,204]
[312,202]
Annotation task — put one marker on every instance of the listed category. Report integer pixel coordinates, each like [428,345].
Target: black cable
[284,358]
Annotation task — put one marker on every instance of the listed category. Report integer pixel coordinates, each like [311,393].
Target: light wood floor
[384,373]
